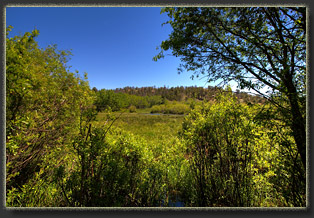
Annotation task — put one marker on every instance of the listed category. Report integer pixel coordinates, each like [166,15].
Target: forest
[159,98]
[70,145]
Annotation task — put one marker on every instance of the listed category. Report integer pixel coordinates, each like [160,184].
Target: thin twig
[112,124]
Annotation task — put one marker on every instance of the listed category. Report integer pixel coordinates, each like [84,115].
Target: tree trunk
[298,123]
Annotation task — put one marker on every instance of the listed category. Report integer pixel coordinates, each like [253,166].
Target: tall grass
[153,128]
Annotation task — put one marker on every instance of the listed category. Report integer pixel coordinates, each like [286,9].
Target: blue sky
[115,46]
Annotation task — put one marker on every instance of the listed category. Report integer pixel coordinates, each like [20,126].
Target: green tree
[44,102]
[254,46]
[108,99]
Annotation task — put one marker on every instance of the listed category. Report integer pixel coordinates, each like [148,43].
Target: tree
[256,47]
[95,89]
[43,104]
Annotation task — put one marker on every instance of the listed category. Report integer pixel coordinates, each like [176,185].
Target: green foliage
[157,130]
[159,133]
[61,152]
[234,160]
[255,46]
[281,163]
[219,145]
[224,40]
[43,104]
[108,99]
[116,101]
[171,108]
[132,109]
[113,169]
[156,96]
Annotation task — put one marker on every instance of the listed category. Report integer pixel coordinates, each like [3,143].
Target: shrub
[220,142]
[132,109]
[43,104]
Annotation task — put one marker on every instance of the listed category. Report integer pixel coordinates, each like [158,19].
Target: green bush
[235,159]
[44,102]
[113,169]
[132,109]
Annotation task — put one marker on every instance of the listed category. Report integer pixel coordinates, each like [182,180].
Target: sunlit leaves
[43,103]
[258,47]
[231,149]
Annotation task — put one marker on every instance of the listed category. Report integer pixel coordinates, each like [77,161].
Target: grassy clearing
[159,131]
[153,128]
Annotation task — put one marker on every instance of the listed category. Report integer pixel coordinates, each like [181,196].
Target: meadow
[68,145]
[154,128]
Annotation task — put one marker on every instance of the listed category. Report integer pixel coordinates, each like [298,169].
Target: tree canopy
[255,46]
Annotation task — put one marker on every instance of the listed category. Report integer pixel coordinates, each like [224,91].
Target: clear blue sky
[115,46]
